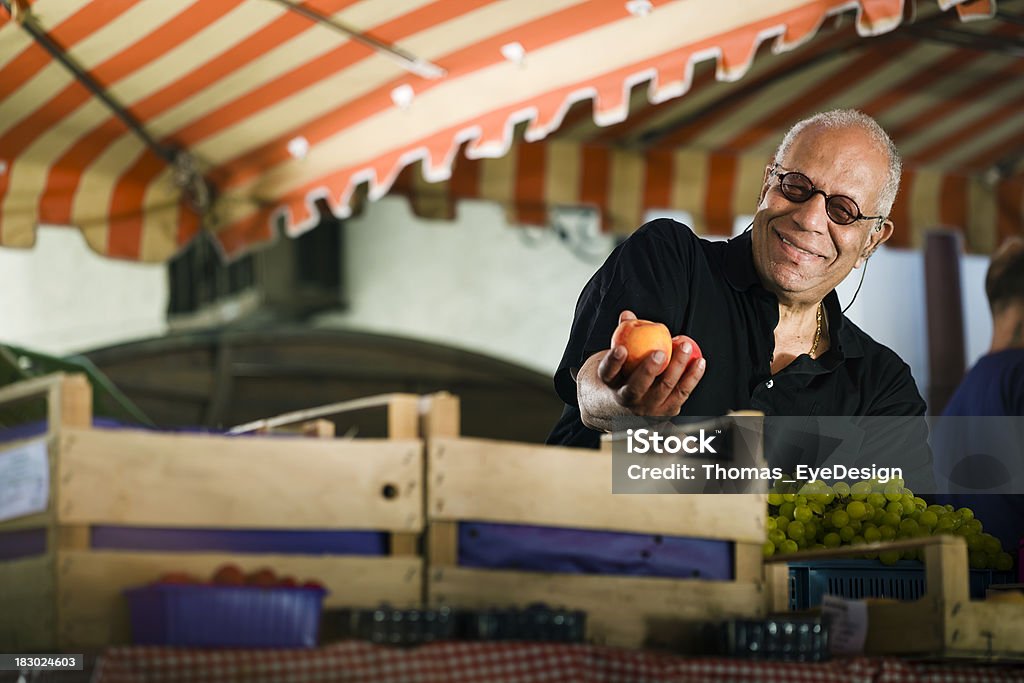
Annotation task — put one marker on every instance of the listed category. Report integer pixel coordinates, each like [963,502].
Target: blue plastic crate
[188,615]
[856,579]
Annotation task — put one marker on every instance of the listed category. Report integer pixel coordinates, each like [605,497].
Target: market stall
[432,555]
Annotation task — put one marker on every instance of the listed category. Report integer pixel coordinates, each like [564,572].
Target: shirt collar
[741,275]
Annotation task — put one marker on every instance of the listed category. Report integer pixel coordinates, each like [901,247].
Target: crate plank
[985,629]
[621,611]
[915,628]
[946,569]
[75,404]
[93,612]
[131,477]
[477,479]
[749,564]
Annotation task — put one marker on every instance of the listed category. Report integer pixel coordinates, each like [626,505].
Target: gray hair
[851,118]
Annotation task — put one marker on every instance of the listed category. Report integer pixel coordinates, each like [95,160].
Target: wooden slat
[444,543]
[37,386]
[475,479]
[74,537]
[749,565]
[935,627]
[907,628]
[75,402]
[94,613]
[947,570]
[776,585]
[621,611]
[441,416]
[37,521]
[404,423]
[130,477]
[403,417]
[316,429]
[441,419]
[985,629]
[404,545]
[27,605]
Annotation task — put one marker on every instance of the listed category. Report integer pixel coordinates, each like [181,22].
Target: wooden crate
[945,622]
[493,481]
[70,597]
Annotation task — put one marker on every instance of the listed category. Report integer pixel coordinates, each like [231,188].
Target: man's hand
[642,392]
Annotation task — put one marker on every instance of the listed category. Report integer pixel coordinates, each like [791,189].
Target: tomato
[228,575]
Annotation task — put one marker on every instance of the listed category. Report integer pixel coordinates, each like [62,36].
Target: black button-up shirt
[710,291]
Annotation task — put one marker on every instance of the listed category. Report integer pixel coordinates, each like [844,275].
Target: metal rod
[982,42]
[57,52]
[420,67]
[313,413]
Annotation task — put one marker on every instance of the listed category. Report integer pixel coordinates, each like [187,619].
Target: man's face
[799,252]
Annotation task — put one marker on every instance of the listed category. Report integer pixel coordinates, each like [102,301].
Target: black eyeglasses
[796,187]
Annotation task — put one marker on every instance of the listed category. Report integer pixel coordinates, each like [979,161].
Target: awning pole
[420,67]
[28,23]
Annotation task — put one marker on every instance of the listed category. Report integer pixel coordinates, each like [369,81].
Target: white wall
[60,297]
[474,283]
[977,320]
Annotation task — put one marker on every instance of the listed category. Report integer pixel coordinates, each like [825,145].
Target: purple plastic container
[225,616]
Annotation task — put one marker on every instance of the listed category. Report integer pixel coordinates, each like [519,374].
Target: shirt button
[770,384]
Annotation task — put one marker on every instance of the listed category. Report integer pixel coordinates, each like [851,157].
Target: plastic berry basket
[809,581]
[189,615]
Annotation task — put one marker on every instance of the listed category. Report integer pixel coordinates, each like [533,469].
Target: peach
[695,354]
[642,338]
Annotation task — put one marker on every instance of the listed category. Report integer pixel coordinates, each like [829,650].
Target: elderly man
[762,306]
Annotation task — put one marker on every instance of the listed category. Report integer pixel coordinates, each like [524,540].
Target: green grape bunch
[803,516]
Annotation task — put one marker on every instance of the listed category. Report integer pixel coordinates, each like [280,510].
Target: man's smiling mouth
[799,249]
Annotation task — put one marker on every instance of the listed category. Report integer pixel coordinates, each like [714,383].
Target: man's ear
[764,183]
[880,233]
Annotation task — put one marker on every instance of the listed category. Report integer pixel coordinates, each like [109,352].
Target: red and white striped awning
[256,110]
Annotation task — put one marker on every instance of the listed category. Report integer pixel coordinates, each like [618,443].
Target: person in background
[994,387]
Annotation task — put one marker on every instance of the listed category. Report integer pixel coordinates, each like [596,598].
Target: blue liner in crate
[857,579]
[189,615]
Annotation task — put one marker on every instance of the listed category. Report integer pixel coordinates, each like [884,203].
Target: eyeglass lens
[797,187]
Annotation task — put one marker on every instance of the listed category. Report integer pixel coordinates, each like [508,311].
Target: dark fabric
[585,551]
[993,387]
[710,292]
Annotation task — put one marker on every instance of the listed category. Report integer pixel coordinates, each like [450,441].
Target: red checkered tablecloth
[349,662]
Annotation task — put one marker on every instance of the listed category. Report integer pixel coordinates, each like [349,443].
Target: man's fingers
[626,315]
[688,382]
[666,383]
[639,382]
[610,366]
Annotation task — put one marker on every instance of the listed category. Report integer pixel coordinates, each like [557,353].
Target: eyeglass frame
[774,170]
